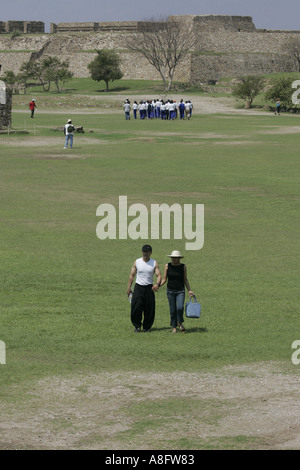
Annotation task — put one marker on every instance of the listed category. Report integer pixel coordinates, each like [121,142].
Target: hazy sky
[271,14]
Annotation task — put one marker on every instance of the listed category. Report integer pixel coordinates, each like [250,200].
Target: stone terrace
[228,46]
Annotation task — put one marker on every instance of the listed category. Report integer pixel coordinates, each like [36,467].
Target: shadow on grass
[194,329]
[197,329]
[69,90]
[103,90]
[113,90]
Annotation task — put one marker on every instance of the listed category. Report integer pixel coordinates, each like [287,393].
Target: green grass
[64,307]
[87,86]
[86,93]
[63,290]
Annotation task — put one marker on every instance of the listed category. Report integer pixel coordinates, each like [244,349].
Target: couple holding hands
[143,299]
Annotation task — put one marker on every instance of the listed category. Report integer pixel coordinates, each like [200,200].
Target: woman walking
[176,274]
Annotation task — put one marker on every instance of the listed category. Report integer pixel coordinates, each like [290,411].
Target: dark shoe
[137,330]
[147,331]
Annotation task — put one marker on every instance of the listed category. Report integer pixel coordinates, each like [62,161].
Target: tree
[292,48]
[165,44]
[281,89]
[56,71]
[10,80]
[248,88]
[48,70]
[106,67]
[15,82]
[34,70]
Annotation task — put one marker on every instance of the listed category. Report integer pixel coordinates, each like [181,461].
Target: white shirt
[145,271]
[67,127]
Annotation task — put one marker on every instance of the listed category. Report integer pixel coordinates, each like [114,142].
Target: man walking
[143,299]
[32,107]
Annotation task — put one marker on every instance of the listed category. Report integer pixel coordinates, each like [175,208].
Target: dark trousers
[143,300]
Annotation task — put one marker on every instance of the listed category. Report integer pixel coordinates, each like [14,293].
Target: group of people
[143,297]
[159,109]
[149,109]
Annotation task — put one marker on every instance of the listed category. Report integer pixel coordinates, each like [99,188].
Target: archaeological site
[228,46]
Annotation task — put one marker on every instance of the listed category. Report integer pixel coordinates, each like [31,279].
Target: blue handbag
[192,309]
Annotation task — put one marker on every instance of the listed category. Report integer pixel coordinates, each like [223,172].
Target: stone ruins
[5,106]
[229,46]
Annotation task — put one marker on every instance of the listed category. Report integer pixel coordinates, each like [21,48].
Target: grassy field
[64,309]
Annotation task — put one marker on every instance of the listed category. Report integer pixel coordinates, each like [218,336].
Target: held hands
[155,288]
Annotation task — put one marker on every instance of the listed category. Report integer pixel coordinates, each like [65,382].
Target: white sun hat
[175,254]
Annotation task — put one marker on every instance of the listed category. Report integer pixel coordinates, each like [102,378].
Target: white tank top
[145,271]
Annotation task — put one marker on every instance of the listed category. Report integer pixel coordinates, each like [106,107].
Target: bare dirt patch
[238,142]
[282,130]
[202,105]
[63,156]
[49,141]
[130,410]
[29,141]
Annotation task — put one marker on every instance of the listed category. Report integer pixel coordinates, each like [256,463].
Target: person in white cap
[127,108]
[176,274]
[68,131]
[32,107]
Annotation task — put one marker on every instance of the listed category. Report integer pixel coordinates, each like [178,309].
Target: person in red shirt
[32,107]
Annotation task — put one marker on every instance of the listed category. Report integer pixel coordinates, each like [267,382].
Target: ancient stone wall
[207,67]
[226,41]
[13,61]
[73,27]
[228,54]
[15,51]
[34,27]
[119,26]
[5,106]
[227,46]
[210,23]
[26,27]
[2,27]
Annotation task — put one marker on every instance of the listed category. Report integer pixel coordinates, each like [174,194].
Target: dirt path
[202,105]
[257,405]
